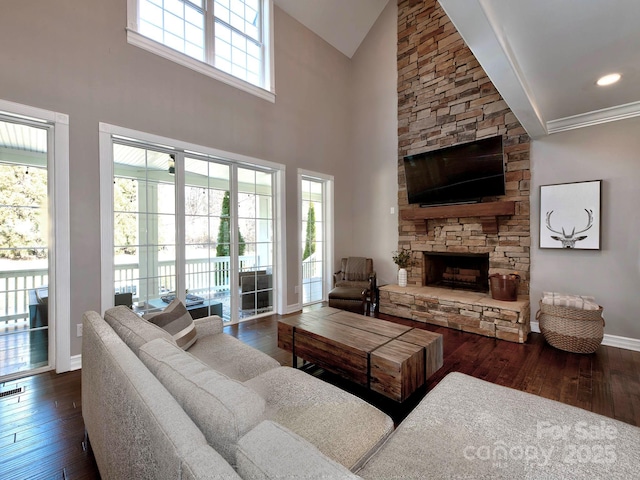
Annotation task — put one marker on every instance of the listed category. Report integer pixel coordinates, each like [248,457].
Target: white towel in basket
[573,301]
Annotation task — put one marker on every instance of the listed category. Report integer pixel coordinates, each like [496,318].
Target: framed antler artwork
[570,215]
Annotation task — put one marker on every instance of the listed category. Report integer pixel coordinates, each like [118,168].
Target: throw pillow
[175,319]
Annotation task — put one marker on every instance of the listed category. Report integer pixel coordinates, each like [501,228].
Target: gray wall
[606,152]
[332,115]
[72,57]
[375,137]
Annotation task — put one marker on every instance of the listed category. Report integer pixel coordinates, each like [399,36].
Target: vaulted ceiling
[341,23]
[543,56]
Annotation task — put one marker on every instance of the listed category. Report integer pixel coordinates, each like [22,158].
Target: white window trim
[268,93]
[60,239]
[328,214]
[106,131]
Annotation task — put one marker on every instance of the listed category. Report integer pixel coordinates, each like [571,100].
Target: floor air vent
[14,391]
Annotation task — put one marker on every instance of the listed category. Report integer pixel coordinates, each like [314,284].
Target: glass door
[144,228]
[207,238]
[313,241]
[191,226]
[254,242]
[24,247]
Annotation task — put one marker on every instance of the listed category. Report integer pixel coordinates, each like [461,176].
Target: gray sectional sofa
[225,410]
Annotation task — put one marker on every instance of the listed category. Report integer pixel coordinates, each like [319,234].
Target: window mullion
[180,227]
[210,34]
[233,247]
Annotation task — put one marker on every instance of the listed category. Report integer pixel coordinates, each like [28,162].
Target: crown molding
[596,117]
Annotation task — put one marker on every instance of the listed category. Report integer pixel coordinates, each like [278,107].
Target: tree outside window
[310,237]
[224,232]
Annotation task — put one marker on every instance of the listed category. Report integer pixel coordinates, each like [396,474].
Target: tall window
[316,226]
[24,252]
[193,226]
[231,35]
[34,241]
[238,38]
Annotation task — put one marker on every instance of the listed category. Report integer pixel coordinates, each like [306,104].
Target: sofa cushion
[136,427]
[469,428]
[228,355]
[176,320]
[132,329]
[340,425]
[273,451]
[224,409]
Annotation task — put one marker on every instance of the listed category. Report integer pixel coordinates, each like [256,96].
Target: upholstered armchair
[356,273]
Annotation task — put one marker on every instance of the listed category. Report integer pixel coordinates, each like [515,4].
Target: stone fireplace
[464,271]
[445,98]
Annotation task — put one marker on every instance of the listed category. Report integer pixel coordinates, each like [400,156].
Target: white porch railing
[311,267]
[14,291]
[204,275]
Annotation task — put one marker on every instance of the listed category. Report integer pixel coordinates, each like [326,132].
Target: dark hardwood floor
[41,428]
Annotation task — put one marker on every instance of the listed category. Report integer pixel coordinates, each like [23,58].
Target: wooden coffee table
[393,360]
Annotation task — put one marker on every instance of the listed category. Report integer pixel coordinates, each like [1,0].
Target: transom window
[231,35]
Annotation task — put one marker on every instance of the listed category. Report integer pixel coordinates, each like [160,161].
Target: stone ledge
[467,311]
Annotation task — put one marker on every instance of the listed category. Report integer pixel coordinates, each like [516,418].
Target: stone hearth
[467,311]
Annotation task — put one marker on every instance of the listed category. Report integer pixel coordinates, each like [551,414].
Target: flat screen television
[458,174]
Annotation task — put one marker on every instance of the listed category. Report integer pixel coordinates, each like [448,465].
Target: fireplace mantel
[487,212]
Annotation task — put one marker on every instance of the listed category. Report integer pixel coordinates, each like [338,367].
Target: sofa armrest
[271,451]
[208,326]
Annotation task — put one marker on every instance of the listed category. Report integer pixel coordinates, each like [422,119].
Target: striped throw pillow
[176,320]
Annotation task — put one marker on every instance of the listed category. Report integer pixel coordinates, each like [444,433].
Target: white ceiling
[543,56]
[341,23]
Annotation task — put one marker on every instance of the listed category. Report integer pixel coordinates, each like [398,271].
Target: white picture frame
[570,215]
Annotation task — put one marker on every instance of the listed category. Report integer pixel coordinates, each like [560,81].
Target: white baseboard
[621,342]
[76,362]
[608,340]
[296,307]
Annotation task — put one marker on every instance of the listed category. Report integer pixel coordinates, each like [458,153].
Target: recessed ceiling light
[608,79]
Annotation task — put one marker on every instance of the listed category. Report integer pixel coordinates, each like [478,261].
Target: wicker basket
[571,329]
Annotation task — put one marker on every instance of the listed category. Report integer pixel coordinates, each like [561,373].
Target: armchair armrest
[208,326]
[337,276]
[271,451]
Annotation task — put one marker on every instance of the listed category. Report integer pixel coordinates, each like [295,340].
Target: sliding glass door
[144,233]
[191,226]
[316,227]
[24,247]
[255,241]
[207,242]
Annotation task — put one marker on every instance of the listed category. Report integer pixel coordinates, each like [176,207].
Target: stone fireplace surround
[445,98]
[507,251]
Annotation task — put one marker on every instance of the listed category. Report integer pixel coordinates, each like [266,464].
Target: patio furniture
[255,290]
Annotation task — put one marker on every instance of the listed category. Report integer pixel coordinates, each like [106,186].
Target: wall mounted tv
[458,174]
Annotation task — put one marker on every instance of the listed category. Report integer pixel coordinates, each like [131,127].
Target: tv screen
[458,174]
